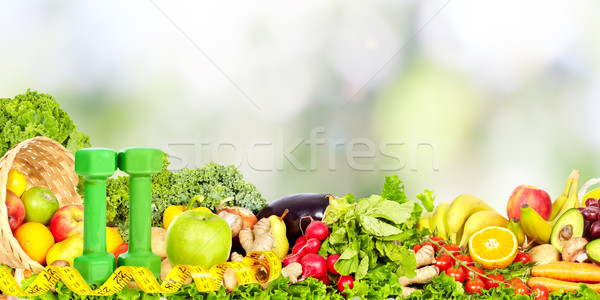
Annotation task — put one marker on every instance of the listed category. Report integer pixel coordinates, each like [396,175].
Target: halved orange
[493,247]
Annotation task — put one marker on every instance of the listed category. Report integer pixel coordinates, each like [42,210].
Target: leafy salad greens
[34,114]
[373,231]
[214,181]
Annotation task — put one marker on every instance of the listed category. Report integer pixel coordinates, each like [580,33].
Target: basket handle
[585,187]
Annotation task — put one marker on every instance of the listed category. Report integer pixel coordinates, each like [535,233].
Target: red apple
[15,210]
[537,198]
[67,221]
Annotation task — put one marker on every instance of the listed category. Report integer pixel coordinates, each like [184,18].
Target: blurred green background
[454,96]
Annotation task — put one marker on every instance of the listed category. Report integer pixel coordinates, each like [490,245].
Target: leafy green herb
[216,182]
[517,270]
[32,114]
[369,233]
[427,199]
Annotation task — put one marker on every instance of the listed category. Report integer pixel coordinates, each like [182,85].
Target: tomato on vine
[430,244]
[417,247]
[474,286]
[474,273]
[456,272]
[465,259]
[443,262]
[541,292]
[493,280]
[523,257]
[452,248]
[522,289]
[437,241]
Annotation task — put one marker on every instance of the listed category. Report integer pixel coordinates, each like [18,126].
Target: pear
[66,250]
[281,246]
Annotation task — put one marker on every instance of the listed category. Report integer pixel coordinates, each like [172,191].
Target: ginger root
[292,271]
[426,270]
[259,238]
[425,256]
[236,256]
[424,275]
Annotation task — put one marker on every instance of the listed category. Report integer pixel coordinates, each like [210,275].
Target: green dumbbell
[140,163]
[95,165]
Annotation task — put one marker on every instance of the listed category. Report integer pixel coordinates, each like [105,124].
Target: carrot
[555,284]
[568,271]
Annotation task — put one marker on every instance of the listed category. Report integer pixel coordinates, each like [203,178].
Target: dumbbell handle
[95,215]
[140,216]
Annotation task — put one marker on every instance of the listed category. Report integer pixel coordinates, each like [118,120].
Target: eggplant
[299,206]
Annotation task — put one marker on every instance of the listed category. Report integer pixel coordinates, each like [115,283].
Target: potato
[544,254]
[60,263]
[158,241]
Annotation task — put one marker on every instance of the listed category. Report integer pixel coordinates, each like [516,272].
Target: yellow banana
[560,201]
[437,222]
[514,225]
[478,221]
[424,221]
[534,226]
[460,210]
[572,201]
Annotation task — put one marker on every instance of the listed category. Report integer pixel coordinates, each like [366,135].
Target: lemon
[66,250]
[113,239]
[16,183]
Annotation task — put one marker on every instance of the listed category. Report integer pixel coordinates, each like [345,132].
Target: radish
[325,279]
[313,265]
[331,259]
[301,241]
[313,245]
[299,249]
[347,279]
[291,258]
[317,229]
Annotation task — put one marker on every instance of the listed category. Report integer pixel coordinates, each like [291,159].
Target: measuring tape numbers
[256,267]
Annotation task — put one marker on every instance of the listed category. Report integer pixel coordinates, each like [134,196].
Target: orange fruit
[16,183]
[113,239]
[493,247]
[35,239]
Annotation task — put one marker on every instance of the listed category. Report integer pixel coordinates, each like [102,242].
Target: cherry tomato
[493,280]
[465,259]
[474,273]
[443,262]
[516,281]
[524,257]
[522,289]
[474,286]
[452,248]
[457,273]
[417,247]
[437,241]
[541,292]
[430,244]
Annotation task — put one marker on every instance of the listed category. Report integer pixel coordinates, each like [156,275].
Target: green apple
[40,205]
[198,238]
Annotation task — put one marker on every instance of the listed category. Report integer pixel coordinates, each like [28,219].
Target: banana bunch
[534,226]
[462,218]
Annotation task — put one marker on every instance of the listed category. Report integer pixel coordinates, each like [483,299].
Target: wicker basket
[44,162]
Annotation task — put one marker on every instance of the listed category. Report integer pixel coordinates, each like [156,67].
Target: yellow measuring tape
[206,280]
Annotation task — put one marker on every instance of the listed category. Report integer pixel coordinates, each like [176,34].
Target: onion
[248,218]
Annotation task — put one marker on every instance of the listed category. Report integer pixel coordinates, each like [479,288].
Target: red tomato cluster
[452,261]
